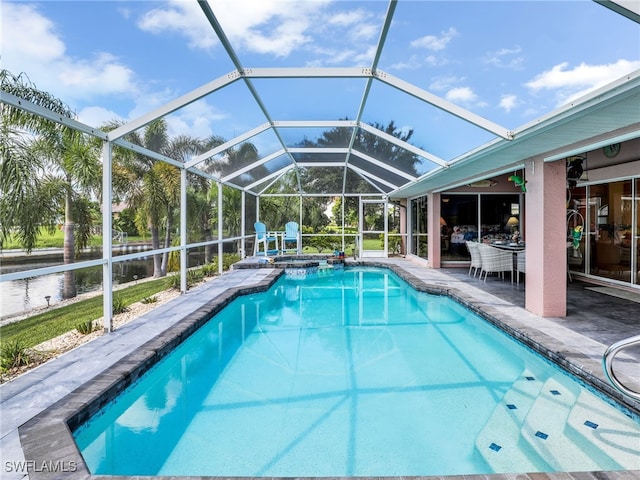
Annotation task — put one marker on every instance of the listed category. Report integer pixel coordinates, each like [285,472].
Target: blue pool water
[354,374]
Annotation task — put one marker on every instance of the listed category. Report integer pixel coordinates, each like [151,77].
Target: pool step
[551,426]
[544,429]
[499,441]
[324,269]
[611,437]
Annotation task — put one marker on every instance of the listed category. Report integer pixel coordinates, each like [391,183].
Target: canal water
[20,296]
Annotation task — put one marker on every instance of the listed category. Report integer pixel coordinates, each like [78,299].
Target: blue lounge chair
[291,238]
[266,243]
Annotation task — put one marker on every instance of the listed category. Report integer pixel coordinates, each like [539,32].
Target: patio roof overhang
[608,115]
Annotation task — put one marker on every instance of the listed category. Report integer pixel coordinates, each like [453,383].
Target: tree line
[51,175]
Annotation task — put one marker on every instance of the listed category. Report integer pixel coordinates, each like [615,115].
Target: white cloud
[412,63]
[149,101]
[31,44]
[125,12]
[508,102]
[415,62]
[101,75]
[356,24]
[365,31]
[97,116]
[433,42]
[345,19]
[365,57]
[464,96]
[273,27]
[569,84]
[506,58]
[445,83]
[461,95]
[434,61]
[195,120]
[180,17]
[28,35]
[268,26]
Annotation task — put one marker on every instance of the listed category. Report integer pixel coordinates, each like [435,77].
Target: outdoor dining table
[513,246]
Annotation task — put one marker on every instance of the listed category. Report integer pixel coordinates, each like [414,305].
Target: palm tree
[21,210]
[45,168]
[139,182]
[75,175]
[152,188]
[232,159]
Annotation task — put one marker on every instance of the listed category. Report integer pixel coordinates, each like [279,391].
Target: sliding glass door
[477,217]
[610,243]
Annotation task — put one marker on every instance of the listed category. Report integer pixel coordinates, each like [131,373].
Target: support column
[220,229]
[243,225]
[546,268]
[107,240]
[433,229]
[408,227]
[404,244]
[183,230]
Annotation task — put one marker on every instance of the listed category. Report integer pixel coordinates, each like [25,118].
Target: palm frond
[22,87]
[80,161]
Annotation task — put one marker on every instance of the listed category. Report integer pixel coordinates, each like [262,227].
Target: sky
[507,61]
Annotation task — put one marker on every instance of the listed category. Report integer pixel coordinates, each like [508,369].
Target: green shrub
[228,259]
[174,281]
[194,276]
[322,243]
[210,269]
[13,354]
[147,300]
[119,304]
[85,327]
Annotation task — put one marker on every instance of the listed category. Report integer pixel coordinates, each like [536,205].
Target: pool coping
[48,434]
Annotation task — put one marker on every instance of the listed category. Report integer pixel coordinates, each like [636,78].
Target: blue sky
[508,61]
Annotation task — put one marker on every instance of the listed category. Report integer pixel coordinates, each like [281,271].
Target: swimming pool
[349,374]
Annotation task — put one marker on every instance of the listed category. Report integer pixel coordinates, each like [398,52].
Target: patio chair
[476,260]
[266,243]
[521,261]
[495,260]
[291,238]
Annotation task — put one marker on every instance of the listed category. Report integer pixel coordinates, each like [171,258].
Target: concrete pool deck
[35,407]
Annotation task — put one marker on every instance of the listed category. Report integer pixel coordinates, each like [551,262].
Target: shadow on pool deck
[603,318]
[79,382]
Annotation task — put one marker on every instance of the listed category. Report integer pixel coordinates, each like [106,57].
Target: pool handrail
[607,364]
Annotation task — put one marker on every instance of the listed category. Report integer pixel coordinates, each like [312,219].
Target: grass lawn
[45,326]
[55,240]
